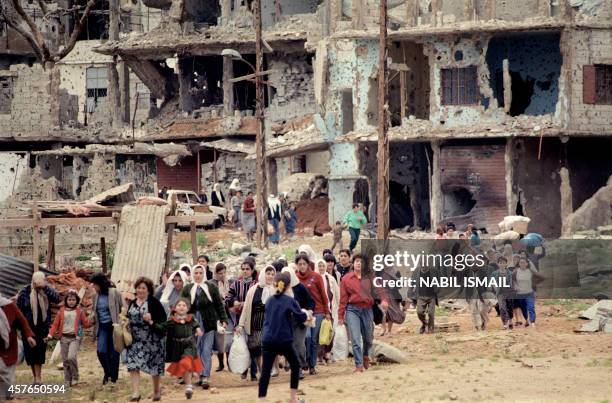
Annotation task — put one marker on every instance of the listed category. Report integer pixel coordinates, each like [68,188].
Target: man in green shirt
[355,219]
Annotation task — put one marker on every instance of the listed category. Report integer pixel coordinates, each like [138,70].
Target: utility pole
[114,90]
[260,143]
[382,211]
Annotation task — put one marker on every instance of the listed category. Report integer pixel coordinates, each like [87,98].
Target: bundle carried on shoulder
[122,335]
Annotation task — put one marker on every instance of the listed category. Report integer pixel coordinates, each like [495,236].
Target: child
[277,339]
[236,202]
[337,230]
[181,349]
[504,294]
[69,323]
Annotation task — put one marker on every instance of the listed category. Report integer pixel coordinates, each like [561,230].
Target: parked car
[188,203]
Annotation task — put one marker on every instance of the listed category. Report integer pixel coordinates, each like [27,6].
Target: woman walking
[252,318]
[356,301]
[315,286]
[147,351]
[332,289]
[223,341]
[35,301]
[524,279]
[394,313]
[69,324]
[208,308]
[280,312]
[107,304]
[248,216]
[170,293]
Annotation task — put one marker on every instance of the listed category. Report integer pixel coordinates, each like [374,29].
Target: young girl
[69,323]
[280,311]
[181,349]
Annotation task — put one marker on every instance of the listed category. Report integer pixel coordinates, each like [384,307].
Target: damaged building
[495,107]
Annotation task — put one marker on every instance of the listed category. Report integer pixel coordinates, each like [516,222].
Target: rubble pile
[313,215]
[73,279]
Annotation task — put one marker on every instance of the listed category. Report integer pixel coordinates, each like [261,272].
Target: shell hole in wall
[458,201]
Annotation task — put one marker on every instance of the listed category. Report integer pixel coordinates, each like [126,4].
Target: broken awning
[231,146]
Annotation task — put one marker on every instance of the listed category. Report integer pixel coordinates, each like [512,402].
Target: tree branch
[35,37]
[75,33]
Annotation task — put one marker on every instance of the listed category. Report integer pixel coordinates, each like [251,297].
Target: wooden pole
[382,213]
[103,253]
[260,145]
[114,90]
[51,248]
[169,248]
[194,242]
[35,238]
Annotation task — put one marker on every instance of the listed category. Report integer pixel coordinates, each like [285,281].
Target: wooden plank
[194,242]
[403,96]
[169,248]
[70,221]
[250,76]
[186,220]
[51,248]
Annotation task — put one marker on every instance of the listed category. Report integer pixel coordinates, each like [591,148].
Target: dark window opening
[597,82]
[460,86]
[96,23]
[416,83]
[206,75]
[519,206]
[534,66]
[346,102]
[457,202]
[298,164]
[6,95]
[400,211]
[361,194]
[204,12]
[244,91]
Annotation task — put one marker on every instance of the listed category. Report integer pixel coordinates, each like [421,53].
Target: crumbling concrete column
[436,186]
[184,78]
[412,13]
[566,196]
[226,11]
[511,196]
[469,10]
[507,81]
[228,87]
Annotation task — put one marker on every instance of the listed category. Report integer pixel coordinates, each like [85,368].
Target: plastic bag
[326,333]
[239,357]
[56,355]
[340,348]
[118,342]
[532,239]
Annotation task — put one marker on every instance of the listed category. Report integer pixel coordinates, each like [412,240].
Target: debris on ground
[385,352]
[599,316]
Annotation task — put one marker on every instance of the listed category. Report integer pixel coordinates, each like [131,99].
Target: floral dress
[147,352]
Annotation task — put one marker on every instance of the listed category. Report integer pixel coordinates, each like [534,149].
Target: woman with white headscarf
[217,198]
[11,319]
[252,317]
[35,301]
[208,308]
[169,293]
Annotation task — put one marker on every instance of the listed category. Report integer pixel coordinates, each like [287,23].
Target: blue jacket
[281,310]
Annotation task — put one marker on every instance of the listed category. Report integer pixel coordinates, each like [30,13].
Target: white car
[188,203]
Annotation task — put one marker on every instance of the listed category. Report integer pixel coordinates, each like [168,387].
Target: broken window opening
[372,111]
[6,95]
[298,164]
[346,106]
[203,12]
[458,202]
[519,206]
[97,86]
[460,86]
[244,91]
[362,195]
[96,23]
[415,82]
[597,83]
[534,66]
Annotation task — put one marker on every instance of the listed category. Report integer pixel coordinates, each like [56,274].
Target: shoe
[220,368]
[526,324]
[359,369]
[366,362]
[254,379]
[287,367]
[181,381]
[135,398]
[422,329]
[243,375]
[188,393]
[510,326]
[274,374]
[105,380]
[156,398]
[205,384]
[312,371]
[302,375]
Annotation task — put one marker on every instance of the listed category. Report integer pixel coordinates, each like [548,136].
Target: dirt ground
[549,363]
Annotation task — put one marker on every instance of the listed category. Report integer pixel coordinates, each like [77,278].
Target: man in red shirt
[11,319]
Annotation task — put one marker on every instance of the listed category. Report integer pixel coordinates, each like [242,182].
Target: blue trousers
[275,237]
[312,341]
[360,322]
[205,347]
[527,305]
[354,232]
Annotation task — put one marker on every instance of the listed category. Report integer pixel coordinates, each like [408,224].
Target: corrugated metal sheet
[481,170]
[141,245]
[15,274]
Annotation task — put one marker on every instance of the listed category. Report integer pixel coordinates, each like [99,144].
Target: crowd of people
[194,312]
